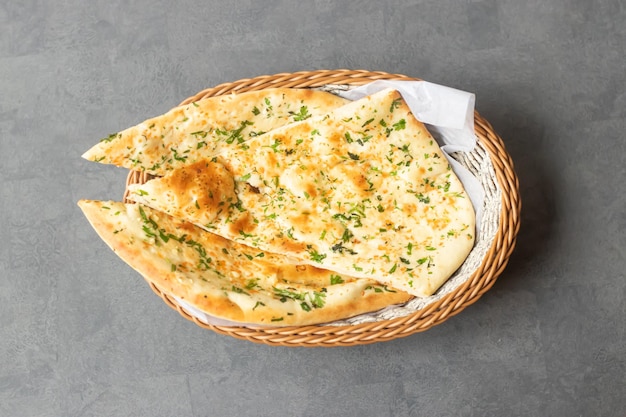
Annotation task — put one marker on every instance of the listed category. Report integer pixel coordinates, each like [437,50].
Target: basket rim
[435,313]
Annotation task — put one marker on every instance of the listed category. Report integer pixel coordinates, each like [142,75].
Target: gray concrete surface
[82,335]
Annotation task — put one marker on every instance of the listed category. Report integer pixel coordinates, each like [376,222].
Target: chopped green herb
[395,104]
[177,156]
[316,256]
[303,114]
[275,145]
[230,136]
[252,284]
[379,288]
[200,133]
[307,300]
[245,235]
[238,290]
[336,279]
[338,247]
[347,235]
[422,198]
[400,125]
[367,122]
[111,137]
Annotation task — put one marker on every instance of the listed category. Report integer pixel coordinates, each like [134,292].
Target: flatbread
[226,279]
[204,128]
[363,191]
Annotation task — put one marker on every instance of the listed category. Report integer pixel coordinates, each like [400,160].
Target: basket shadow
[525,140]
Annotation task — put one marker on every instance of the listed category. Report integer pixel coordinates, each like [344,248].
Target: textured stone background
[82,335]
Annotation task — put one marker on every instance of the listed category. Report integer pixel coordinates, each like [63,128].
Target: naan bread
[363,191]
[226,279]
[204,128]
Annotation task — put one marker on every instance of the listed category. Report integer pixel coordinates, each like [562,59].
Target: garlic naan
[204,128]
[363,191]
[226,279]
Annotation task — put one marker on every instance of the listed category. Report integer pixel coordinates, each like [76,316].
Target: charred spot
[244,224]
[253,189]
[339,248]
[311,190]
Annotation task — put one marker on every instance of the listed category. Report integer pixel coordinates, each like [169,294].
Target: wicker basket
[489,161]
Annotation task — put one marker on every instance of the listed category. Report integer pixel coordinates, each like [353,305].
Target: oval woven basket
[489,162]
